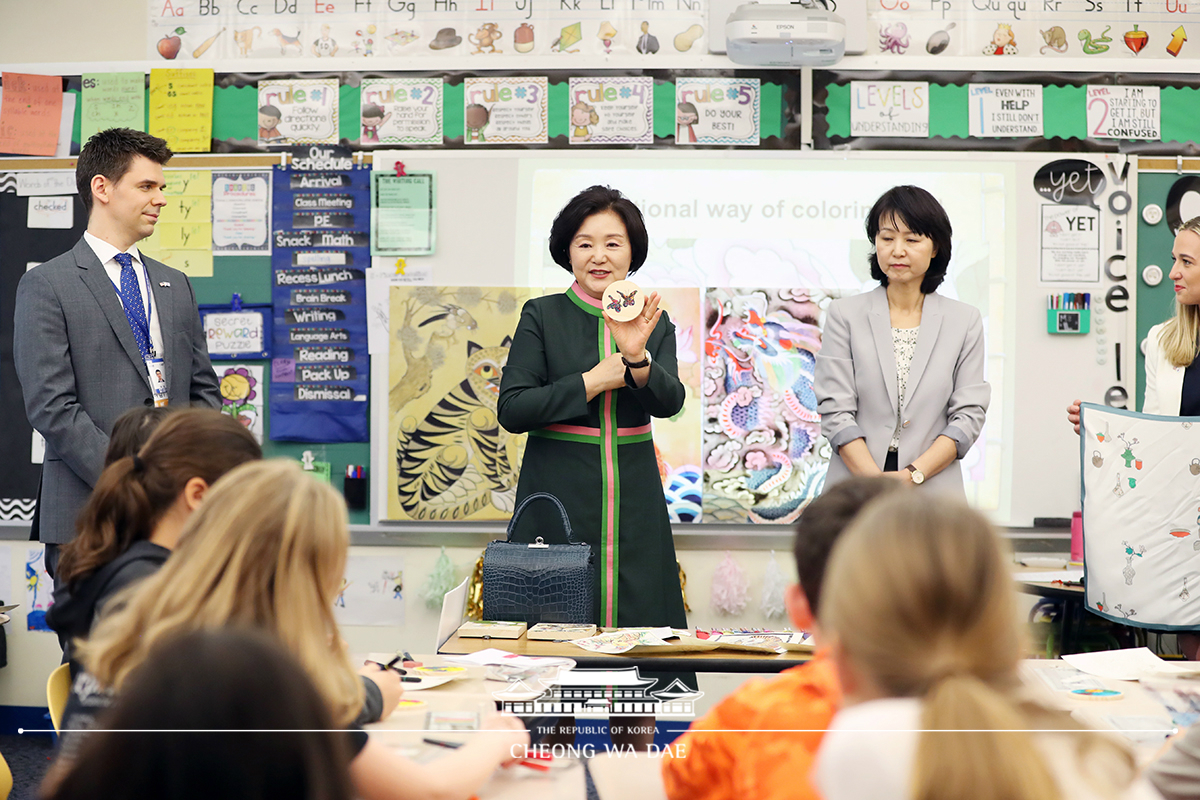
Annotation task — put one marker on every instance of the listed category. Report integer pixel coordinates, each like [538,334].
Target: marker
[443,743]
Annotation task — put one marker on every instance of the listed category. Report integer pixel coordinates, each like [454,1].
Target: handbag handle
[512,523]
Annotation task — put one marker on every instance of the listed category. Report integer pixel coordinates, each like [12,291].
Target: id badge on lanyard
[156,370]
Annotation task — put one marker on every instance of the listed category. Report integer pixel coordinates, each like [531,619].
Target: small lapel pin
[165,284]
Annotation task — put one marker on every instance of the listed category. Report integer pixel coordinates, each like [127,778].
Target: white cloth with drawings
[870,752]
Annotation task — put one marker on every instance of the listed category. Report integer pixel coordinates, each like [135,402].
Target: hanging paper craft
[611,110]
[773,587]
[403,214]
[298,112]
[439,583]
[1141,517]
[730,587]
[321,367]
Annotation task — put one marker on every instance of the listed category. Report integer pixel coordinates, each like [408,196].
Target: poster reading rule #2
[320,254]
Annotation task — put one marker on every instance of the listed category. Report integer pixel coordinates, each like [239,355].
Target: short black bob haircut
[596,200]
[110,153]
[923,215]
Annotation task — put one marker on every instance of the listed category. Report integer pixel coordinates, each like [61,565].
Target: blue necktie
[131,299]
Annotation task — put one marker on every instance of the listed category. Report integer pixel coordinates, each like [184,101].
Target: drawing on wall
[761,426]
[372,592]
[242,397]
[677,440]
[39,590]
[448,349]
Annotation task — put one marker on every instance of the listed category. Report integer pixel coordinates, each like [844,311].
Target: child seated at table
[236,680]
[919,614]
[267,551]
[736,751]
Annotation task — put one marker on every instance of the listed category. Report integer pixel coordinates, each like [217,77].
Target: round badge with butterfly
[624,300]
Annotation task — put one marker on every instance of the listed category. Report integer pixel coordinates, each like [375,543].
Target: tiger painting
[454,463]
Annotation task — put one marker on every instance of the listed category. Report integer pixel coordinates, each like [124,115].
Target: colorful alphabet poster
[401,111]
[30,112]
[889,108]
[241,213]
[449,347]
[181,108]
[762,462]
[1141,535]
[182,237]
[611,110]
[112,100]
[504,111]
[499,35]
[717,111]
[300,111]
[320,254]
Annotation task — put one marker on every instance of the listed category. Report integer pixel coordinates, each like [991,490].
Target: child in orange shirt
[736,750]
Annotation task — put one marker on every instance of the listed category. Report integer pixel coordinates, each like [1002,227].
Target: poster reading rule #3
[321,241]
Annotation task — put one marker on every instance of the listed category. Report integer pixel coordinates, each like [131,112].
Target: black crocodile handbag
[538,582]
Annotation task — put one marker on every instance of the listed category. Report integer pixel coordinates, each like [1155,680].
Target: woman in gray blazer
[899,378]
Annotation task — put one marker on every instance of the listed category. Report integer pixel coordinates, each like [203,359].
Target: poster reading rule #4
[611,110]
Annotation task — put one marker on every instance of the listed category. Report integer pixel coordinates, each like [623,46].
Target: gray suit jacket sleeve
[969,400]
[41,352]
[834,384]
[205,389]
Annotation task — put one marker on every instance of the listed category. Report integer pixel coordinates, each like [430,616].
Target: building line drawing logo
[598,692]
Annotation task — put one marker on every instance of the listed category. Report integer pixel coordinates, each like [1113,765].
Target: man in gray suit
[92,325]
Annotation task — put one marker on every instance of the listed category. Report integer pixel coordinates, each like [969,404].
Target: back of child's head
[131,430]
[265,550]
[919,602]
[135,491]
[823,521]
[206,682]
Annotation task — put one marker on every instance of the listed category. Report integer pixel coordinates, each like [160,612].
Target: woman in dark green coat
[584,386]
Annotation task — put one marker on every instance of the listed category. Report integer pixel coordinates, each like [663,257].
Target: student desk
[620,776]
[405,729]
[1072,597]
[708,661]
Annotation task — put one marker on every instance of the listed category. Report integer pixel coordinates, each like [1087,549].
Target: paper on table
[1142,729]
[1067,678]
[30,114]
[1129,665]
[492,655]
[622,641]
[1045,576]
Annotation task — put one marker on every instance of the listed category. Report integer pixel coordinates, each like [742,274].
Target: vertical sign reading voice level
[1123,112]
[889,108]
[1005,110]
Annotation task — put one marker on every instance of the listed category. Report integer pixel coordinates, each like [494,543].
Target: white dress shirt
[107,255]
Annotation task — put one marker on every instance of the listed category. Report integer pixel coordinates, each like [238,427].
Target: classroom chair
[6,779]
[58,688]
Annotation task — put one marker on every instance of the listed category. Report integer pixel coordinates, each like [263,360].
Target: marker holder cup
[1069,320]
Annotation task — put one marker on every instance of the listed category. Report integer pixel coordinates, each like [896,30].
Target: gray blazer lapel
[166,311]
[881,327]
[931,323]
[96,279]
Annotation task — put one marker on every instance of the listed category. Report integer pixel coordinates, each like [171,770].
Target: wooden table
[709,661]
[405,729]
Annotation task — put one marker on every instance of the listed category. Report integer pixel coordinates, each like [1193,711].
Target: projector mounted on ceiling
[784,36]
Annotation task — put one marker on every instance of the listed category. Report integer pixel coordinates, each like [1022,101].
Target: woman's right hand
[510,737]
[606,376]
[1073,415]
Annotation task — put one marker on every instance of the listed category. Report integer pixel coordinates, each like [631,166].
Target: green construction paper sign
[403,214]
[112,100]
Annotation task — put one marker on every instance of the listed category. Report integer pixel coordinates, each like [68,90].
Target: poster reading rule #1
[320,254]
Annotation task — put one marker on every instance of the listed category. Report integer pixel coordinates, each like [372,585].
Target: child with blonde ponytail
[918,611]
